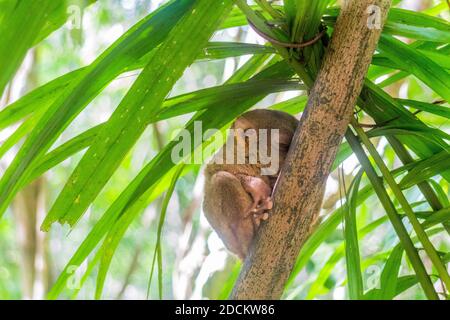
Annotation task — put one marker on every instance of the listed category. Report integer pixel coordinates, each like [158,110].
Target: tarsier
[238,195]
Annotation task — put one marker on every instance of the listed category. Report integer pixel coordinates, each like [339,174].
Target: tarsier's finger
[269,203]
[258,217]
[265,204]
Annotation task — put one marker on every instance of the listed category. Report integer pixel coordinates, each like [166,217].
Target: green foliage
[353,263]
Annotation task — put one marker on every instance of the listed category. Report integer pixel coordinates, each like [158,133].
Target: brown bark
[300,189]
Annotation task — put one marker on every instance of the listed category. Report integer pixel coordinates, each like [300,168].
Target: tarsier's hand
[261,193]
[237,196]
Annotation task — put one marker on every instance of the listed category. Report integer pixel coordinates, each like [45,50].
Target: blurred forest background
[195,264]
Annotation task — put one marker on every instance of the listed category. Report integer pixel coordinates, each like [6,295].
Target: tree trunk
[29,210]
[299,194]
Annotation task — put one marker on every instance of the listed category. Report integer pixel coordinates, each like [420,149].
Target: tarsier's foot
[260,213]
[261,195]
[262,206]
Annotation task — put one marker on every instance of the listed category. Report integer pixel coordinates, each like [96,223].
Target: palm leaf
[139,40]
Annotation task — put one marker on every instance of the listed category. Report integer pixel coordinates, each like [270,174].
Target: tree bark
[299,194]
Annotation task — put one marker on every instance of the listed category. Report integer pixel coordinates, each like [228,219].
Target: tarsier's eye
[285,139]
[283,147]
